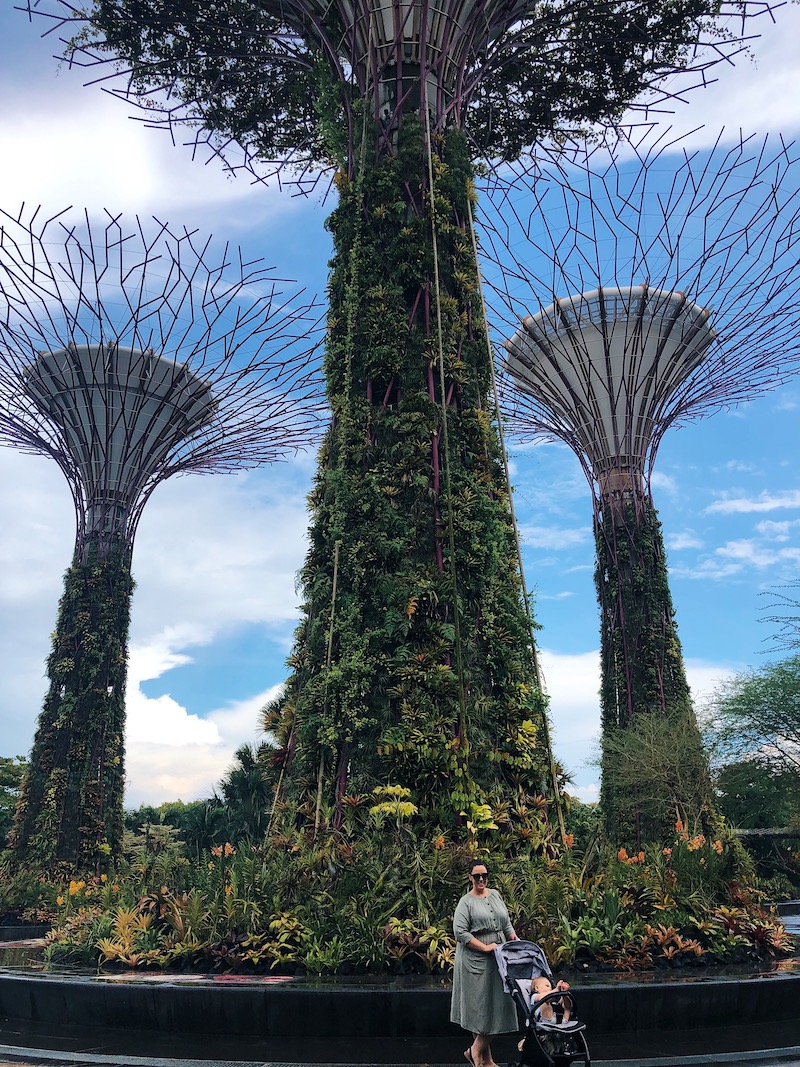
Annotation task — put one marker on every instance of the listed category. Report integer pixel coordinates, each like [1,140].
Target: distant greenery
[12,771]
[756,716]
[754,735]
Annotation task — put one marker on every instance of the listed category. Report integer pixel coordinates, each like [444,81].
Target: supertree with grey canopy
[686,281]
[129,353]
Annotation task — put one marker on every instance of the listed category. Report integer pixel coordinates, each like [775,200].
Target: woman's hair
[477,863]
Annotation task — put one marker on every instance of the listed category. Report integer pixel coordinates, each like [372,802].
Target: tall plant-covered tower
[606,363]
[609,370]
[415,663]
[119,415]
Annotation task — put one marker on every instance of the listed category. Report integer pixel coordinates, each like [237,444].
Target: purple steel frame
[129,356]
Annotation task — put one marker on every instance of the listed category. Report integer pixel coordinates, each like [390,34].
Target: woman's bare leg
[482,1051]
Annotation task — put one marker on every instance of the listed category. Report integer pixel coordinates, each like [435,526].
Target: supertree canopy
[127,356]
[415,664]
[286,80]
[610,369]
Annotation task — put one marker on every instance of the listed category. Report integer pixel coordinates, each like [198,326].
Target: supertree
[687,276]
[415,664]
[128,354]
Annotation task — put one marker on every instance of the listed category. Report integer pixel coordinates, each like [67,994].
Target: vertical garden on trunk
[414,665]
[654,769]
[70,808]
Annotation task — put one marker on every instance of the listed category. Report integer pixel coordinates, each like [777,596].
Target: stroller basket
[551,1038]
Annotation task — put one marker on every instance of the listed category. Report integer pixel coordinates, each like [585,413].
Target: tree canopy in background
[12,771]
[757,716]
[260,74]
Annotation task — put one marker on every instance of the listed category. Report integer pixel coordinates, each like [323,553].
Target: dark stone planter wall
[377,1011]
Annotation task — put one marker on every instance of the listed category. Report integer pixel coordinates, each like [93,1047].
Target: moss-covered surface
[654,770]
[413,665]
[70,807]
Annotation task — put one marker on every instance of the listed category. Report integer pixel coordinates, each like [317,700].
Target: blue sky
[215,558]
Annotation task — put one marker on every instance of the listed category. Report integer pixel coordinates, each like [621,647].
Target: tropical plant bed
[382,902]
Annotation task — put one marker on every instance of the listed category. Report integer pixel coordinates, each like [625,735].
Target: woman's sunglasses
[481,876]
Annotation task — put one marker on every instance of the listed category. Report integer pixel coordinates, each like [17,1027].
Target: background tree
[754,733]
[755,718]
[247,793]
[200,824]
[12,772]
[753,794]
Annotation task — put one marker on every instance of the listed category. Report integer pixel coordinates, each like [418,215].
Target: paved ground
[791,1058]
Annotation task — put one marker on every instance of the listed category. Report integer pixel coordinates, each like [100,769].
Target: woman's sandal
[468,1056]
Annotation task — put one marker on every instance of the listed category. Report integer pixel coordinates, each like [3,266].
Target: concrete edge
[761,1058]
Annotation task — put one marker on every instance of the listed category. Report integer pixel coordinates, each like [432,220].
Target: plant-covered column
[96,387]
[654,770]
[70,809]
[413,665]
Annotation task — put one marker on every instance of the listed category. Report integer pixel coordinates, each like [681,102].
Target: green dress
[479,1002]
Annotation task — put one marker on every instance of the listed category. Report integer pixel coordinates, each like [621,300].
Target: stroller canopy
[520,960]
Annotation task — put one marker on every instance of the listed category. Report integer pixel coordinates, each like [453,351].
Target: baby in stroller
[552,1034]
[543,1012]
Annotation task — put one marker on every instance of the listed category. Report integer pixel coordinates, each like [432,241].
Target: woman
[479,1003]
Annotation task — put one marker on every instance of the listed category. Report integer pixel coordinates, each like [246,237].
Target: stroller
[552,1043]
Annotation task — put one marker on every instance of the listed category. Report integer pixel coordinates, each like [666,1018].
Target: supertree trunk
[70,808]
[654,771]
[414,663]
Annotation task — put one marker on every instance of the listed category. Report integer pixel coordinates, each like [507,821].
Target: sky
[216,557]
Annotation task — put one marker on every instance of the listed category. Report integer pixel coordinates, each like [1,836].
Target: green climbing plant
[654,769]
[70,809]
[374,697]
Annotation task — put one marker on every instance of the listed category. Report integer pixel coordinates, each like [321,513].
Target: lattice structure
[606,364]
[610,369]
[508,71]
[128,356]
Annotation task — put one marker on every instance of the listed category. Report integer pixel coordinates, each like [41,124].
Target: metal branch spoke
[130,352]
[722,227]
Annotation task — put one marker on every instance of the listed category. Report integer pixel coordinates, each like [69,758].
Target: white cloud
[749,552]
[212,555]
[553,537]
[161,719]
[677,542]
[159,770]
[222,551]
[710,569]
[705,676]
[776,531]
[75,144]
[757,92]
[572,682]
[735,557]
[765,501]
[740,467]
[564,595]
[665,483]
[159,729]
